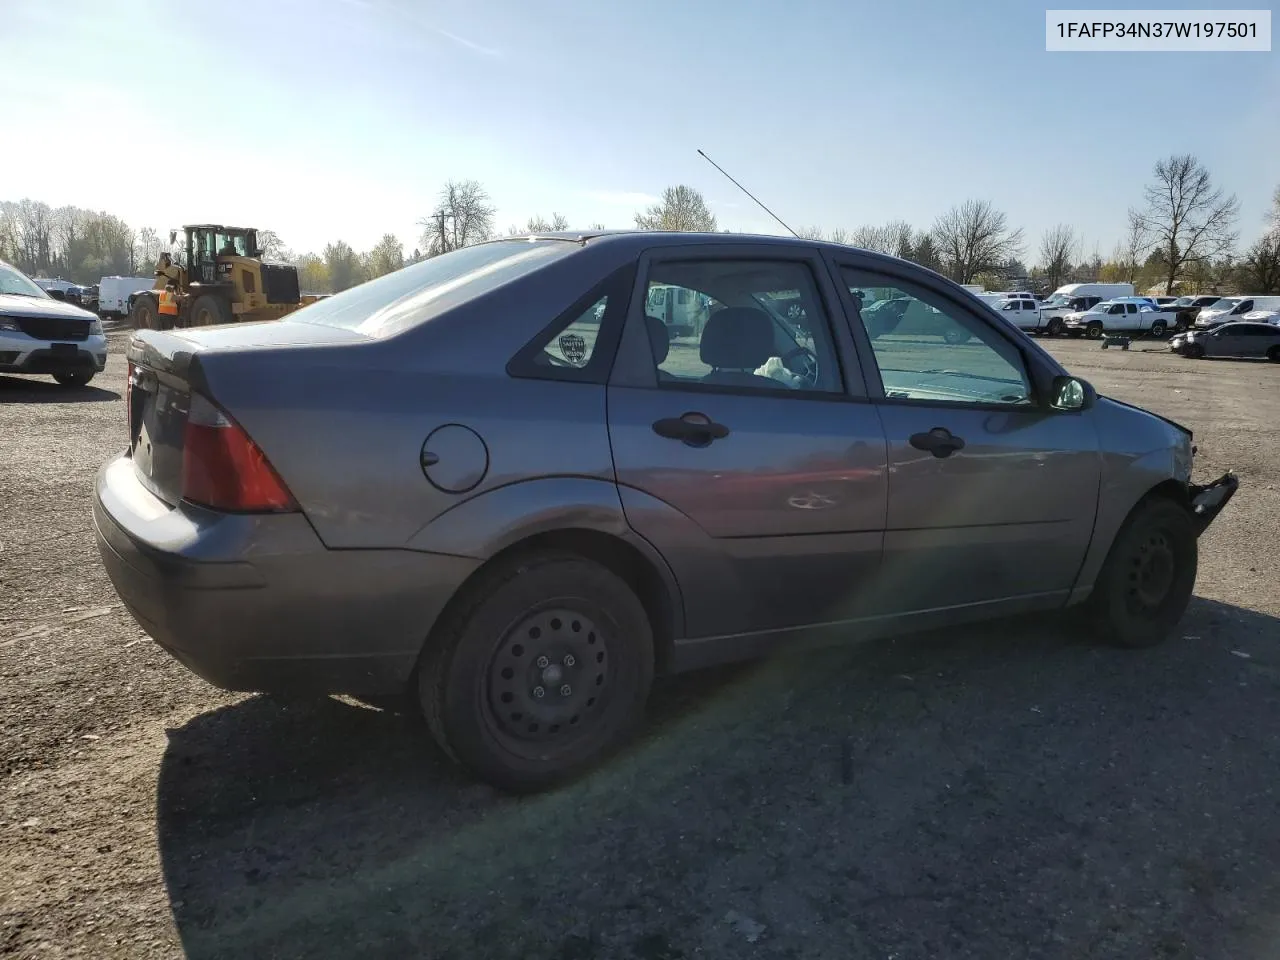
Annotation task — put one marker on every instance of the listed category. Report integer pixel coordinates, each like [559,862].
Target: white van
[113,294]
[1107,291]
[1229,308]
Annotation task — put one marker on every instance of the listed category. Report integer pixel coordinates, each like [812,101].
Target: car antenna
[748,193]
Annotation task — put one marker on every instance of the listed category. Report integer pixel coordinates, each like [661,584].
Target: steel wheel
[548,678]
[1151,569]
[541,669]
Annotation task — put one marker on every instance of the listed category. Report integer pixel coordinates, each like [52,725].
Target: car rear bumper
[258,603]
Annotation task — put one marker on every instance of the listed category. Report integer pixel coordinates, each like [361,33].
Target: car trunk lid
[167,367]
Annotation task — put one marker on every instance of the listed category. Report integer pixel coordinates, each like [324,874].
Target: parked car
[1230,340]
[1231,308]
[1131,315]
[492,480]
[40,334]
[85,297]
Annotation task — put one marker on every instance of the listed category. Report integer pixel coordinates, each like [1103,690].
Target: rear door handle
[939,441]
[692,429]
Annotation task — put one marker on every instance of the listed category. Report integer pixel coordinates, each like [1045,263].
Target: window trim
[617,286]
[1040,368]
[635,367]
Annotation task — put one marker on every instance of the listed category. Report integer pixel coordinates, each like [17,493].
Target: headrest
[659,342]
[737,338]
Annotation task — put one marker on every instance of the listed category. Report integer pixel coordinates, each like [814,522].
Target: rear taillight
[224,469]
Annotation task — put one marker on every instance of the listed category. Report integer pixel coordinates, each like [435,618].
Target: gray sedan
[1230,340]
[496,481]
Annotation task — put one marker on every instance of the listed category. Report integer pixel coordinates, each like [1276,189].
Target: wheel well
[617,556]
[1169,490]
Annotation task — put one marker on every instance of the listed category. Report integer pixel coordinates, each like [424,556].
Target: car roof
[638,240]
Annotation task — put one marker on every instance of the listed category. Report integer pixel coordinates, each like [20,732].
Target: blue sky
[342,118]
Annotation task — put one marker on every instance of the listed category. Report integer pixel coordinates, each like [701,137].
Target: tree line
[1181,236]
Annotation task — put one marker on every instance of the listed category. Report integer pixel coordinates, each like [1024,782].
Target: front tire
[542,670]
[73,379]
[1147,580]
[1093,331]
[145,314]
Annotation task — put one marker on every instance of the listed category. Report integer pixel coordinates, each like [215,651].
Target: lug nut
[568,660]
[543,663]
[539,692]
[566,690]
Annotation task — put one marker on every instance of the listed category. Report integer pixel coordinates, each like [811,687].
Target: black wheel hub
[549,676]
[1151,573]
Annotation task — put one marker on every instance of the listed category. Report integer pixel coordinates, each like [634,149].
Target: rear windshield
[424,290]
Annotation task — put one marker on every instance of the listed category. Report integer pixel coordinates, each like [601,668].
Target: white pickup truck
[1121,316]
[1022,311]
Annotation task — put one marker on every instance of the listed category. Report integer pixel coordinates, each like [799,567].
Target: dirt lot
[1013,791]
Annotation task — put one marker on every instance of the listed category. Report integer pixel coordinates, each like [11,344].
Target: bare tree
[872,238]
[540,224]
[811,233]
[1185,216]
[463,216]
[681,208]
[1058,249]
[272,246]
[1260,268]
[975,238]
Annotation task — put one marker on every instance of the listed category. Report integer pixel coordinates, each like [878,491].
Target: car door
[992,493]
[745,450]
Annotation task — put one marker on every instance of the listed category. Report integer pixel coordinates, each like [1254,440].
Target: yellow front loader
[219,276]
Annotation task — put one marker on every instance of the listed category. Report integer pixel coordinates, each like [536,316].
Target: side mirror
[1071,394]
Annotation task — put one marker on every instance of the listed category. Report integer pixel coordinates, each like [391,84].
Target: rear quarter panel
[345,426]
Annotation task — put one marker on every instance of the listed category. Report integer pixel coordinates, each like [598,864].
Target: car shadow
[1012,788]
[22,389]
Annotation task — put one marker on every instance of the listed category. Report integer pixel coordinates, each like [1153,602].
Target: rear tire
[209,311]
[1147,580]
[541,670]
[73,379]
[1158,328]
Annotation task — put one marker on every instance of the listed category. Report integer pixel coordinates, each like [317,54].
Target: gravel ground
[1007,791]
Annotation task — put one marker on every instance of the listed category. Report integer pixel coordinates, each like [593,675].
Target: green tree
[343,266]
[387,256]
[681,208]
[313,274]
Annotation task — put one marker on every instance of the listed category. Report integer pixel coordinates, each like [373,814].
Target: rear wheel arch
[655,588]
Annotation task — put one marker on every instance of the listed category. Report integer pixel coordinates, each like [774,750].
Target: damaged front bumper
[1207,500]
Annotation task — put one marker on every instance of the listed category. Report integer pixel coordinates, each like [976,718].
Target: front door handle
[939,441]
[693,429]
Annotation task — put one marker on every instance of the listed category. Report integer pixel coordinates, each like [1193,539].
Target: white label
[1138,31]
